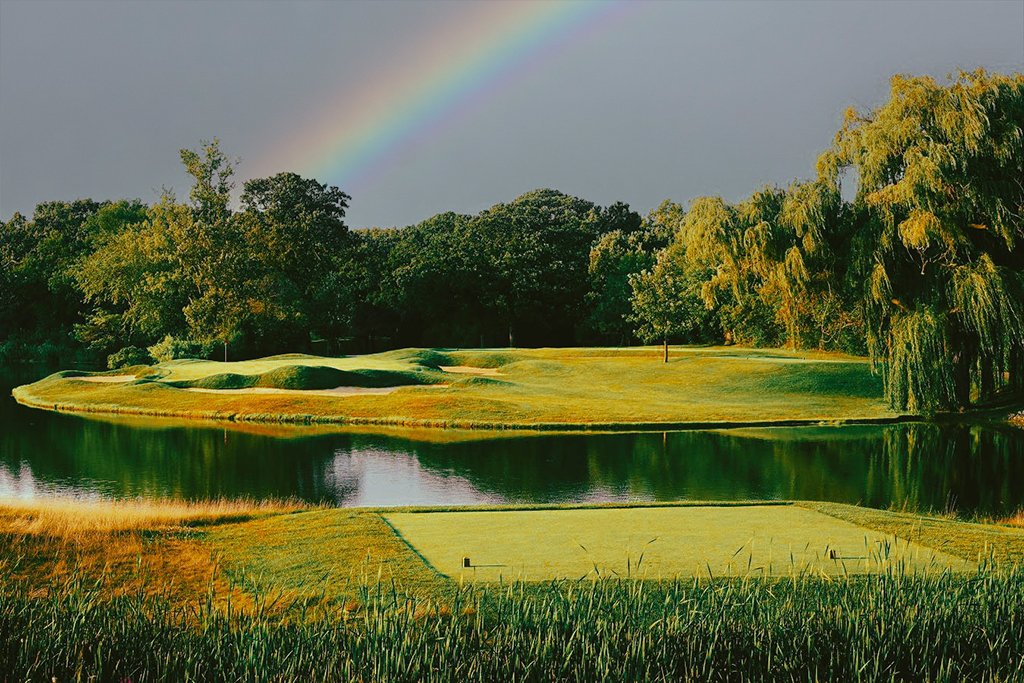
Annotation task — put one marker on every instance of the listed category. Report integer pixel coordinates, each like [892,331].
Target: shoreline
[344,420]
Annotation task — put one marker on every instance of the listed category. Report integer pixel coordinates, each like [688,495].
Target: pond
[926,467]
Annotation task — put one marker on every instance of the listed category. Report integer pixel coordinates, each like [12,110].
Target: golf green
[656,542]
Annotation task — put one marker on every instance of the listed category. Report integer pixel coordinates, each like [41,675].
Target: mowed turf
[534,388]
[323,551]
[657,542]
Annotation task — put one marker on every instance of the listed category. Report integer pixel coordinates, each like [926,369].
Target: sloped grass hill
[535,388]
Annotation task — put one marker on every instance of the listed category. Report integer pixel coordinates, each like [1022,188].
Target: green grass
[968,540]
[337,595]
[666,542]
[893,627]
[536,389]
[328,552]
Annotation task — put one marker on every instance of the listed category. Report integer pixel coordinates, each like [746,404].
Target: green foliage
[924,270]
[211,192]
[938,234]
[294,228]
[174,348]
[666,300]
[616,257]
[515,273]
[537,254]
[128,356]
[133,280]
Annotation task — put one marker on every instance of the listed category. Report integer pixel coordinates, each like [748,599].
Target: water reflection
[925,467]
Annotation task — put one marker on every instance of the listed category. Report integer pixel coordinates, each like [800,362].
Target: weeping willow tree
[769,265]
[938,236]
[732,248]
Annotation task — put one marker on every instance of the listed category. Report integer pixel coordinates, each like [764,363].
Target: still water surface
[920,467]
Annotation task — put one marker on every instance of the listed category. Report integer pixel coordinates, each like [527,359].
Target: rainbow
[359,134]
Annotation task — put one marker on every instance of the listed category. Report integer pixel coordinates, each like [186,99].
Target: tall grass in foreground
[882,628]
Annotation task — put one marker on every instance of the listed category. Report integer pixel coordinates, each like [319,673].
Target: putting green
[656,542]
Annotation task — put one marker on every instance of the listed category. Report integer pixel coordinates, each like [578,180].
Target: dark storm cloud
[674,101]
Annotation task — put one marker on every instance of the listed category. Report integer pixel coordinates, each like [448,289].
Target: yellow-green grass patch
[662,542]
[328,552]
[538,388]
[968,540]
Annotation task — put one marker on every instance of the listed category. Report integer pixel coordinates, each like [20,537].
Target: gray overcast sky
[667,100]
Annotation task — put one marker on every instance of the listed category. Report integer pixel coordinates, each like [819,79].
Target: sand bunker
[106,378]
[470,370]
[336,391]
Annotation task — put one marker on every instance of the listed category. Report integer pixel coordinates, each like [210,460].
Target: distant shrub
[11,351]
[129,355]
[46,352]
[173,348]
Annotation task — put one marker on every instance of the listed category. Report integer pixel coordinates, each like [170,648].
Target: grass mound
[485,358]
[308,378]
[481,382]
[428,358]
[225,380]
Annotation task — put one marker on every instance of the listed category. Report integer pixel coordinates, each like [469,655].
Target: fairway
[656,542]
[593,388]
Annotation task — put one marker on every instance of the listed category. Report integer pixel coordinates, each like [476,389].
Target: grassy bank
[531,389]
[229,591]
[300,552]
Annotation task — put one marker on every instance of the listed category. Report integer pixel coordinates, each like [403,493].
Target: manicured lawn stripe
[656,543]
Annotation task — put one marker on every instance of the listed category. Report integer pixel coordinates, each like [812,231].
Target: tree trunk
[1016,368]
[511,337]
[962,379]
[988,384]
[666,349]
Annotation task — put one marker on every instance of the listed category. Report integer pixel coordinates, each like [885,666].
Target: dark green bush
[129,355]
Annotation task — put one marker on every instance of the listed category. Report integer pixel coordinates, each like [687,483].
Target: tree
[135,281]
[666,300]
[537,253]
[436,277]
[295,237]
[938,235]
[617,255]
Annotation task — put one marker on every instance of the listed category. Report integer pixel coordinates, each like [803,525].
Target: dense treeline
[923,269]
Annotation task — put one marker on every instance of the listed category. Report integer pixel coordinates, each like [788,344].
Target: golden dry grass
[1015,519]
[123,546]
[66,518]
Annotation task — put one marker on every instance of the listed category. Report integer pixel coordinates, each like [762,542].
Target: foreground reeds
[889,627]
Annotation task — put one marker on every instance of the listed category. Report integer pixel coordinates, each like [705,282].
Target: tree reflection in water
[917,466]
